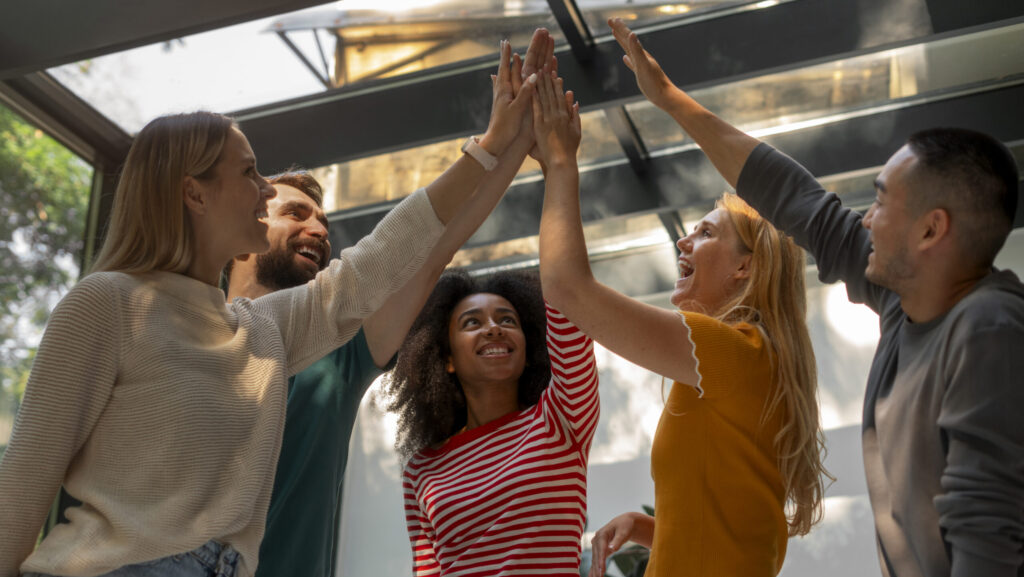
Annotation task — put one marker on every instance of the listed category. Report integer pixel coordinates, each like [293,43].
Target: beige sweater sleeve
[71,381]
[320,316]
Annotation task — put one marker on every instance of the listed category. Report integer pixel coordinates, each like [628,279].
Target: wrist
[473,148]
[493,145]
[561,162]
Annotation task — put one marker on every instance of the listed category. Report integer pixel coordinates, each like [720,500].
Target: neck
[204,269]
[245,286]
[486,404]
[931,297]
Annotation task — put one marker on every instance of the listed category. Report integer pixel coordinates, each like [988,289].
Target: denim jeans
[210,560]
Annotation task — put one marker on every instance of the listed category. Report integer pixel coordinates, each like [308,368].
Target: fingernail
[532,79]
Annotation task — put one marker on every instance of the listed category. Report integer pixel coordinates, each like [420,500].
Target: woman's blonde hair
[149,225]
[774,298]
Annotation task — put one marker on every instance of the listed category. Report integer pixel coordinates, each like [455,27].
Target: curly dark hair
[429,401]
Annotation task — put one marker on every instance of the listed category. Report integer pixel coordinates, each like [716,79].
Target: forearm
[564,263]
[386,329]
[451,190]
[726,146]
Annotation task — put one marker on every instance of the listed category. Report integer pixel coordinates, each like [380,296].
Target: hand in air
[651,79]
[540,52]
[556,120]
[608,540]
[508,106]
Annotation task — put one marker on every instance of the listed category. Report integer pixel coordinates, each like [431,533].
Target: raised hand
[556,120]
[608,540]
[508,106]
[651,79]
[540,52]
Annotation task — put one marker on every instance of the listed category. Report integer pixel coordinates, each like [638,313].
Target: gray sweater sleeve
[981,509]
[788,195]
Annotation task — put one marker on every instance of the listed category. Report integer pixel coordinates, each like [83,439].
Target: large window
[44,193]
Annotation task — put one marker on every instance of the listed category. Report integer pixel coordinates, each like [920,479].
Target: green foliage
[44,191]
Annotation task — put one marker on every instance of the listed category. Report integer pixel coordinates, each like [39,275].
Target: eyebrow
[478,311]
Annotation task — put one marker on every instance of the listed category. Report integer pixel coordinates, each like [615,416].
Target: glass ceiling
[779,102]
[351,41]
[331,45]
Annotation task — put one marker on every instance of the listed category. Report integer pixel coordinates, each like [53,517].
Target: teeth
[685,268]
[494,351]
[308,252]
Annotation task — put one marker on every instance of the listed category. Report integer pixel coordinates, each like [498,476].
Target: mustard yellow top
[718,493]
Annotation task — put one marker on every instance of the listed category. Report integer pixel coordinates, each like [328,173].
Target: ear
[934,228]
[449,366]
[743,272]
[194,195]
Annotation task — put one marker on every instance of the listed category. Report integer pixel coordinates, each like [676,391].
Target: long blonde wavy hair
[149,224]
[774,299]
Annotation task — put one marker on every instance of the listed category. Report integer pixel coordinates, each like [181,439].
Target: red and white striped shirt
[509,497]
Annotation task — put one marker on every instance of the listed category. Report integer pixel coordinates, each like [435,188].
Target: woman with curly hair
[495,425]
[737,455]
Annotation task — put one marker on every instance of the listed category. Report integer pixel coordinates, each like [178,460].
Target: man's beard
[276,269]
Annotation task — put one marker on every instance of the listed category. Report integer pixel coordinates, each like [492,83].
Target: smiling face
[237,197]
[297,233]
[891,223]
[712,265]
[488,347]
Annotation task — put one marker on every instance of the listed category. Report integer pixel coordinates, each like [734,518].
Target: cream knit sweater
[161,408]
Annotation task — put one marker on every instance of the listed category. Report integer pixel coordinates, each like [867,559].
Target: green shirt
[305,507]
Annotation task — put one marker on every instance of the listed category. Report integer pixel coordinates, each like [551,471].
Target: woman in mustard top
[737,456]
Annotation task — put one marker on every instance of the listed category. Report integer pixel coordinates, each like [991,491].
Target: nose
[267,189]
[868,216]
[315,228]
[493,328]
[684,243]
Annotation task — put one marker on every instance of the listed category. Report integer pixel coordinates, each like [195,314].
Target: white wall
[373,539]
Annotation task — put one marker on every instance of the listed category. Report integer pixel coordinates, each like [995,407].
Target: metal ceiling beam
[47,104]
[450,102]
[574,28]
[44,33]
[688,181]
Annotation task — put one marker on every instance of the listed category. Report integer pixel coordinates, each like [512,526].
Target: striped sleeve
[424,560]
[573,390]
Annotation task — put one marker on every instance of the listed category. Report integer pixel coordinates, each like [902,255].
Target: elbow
[562,293]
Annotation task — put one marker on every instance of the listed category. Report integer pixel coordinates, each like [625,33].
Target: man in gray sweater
[943,434]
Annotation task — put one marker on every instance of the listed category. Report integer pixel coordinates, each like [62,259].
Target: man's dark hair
[301,180]
[429,400]
[974,177]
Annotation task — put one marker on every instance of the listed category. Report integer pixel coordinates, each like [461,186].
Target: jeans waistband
[221,559]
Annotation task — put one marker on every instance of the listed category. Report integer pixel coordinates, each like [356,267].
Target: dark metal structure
[743,40]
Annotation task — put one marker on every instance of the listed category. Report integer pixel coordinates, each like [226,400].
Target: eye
[509,320]
[470,322]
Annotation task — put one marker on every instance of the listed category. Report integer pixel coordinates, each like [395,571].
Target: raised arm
[634,330]
[449,192]
[386,329]
[775,185]
[726,146]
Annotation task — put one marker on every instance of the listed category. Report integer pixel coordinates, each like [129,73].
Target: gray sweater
[943,423]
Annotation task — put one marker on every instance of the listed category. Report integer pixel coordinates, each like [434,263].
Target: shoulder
[996,304]
[702,327]
[96,292]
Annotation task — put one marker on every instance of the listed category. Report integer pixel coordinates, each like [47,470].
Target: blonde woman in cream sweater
[160,407]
